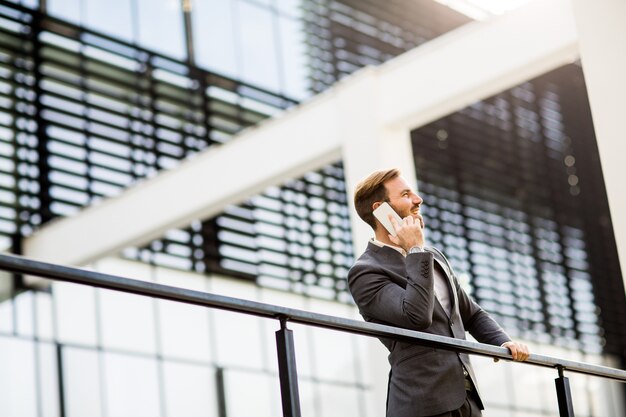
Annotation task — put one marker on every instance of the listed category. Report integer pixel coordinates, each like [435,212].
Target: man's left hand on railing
[519,351]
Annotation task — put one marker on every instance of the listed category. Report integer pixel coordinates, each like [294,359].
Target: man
[400,282]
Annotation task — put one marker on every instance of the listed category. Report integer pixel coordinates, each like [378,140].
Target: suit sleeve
[477,321]
[381,300]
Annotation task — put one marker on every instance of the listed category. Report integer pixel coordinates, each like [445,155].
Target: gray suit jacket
[398,291]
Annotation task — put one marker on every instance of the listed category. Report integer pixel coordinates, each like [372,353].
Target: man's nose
[417,199]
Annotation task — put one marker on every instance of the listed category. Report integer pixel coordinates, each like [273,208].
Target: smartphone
[382,214]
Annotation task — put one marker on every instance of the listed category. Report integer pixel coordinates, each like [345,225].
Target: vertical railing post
[564,395]
[60,379]
[287,371]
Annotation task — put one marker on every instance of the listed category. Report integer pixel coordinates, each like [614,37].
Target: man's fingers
[513,350]
[525,352]
[393,221]
[519,351]
[421,219]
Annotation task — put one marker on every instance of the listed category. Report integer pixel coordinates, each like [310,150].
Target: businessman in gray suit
[401,282]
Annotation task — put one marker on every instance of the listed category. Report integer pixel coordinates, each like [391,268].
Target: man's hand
[519,351]
[409,233]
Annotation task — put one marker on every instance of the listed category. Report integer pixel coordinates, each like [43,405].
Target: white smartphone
[382,214]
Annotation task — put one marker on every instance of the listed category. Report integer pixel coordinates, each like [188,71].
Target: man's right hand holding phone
[409,233]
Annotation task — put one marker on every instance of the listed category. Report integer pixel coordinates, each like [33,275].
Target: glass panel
[48,374]
[65,9]
[290,7]
[262,394]
[161,26]
[258,46]
[309,398]
[82,382]
[75,313]
[6,316]
[127,321]
[332,363]
[112,17]
[132,386]
[338,401]
[579,385]
[24,313]
[213,34]
[607,397]
[237,336]
[293,58]
[17,378]
[190,340]
[529,387]
[43,305]
[490,377]
[189,390]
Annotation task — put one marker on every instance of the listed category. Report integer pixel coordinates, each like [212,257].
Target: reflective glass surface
[160,27]
[293,54]
[262,394]
[75,313]
[6,316]
[214,36]
[70,10]
[17,378]
[496,178]
[82,371]
[121,330]
[132,386]
[190,390]
[48,377]
[257,47]
[112,17]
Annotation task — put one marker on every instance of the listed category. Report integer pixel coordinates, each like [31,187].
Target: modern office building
[214,145]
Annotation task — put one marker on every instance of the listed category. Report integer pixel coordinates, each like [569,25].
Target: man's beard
[405,213]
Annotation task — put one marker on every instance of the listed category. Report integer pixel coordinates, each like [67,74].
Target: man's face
[402,198]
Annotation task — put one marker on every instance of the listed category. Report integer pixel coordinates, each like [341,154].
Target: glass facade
[504,181]
[96,96]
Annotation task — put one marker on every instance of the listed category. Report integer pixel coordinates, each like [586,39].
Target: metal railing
[284,337]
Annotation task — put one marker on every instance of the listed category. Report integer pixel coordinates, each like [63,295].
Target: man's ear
[376,205]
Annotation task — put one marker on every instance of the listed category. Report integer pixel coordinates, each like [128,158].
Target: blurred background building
[97,97]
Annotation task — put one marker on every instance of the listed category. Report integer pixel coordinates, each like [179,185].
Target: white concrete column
[602,40]
[368,145]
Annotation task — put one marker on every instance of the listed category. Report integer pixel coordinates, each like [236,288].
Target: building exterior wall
[88,111]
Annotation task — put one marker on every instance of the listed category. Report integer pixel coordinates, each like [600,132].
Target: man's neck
[383,237]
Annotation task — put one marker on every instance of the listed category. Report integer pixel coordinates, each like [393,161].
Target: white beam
[265,155]
[603,56]
[476,61]
[439,77]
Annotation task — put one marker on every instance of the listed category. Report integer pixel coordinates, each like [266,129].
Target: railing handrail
[19,264]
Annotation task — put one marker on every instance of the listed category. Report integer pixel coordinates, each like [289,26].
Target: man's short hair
[371,190]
